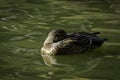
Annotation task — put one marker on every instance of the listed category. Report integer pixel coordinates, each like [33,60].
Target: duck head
[55,36]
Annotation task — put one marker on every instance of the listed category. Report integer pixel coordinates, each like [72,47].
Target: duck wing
[78,43]
[68,46]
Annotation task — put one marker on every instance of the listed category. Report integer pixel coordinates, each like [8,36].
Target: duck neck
[48,41]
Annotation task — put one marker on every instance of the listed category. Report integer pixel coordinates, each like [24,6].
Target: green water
[24,25]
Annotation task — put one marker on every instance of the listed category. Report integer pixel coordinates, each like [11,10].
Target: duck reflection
[48,59]
[78,63]
[51,60]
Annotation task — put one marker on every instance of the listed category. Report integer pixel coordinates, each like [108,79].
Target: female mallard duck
[59,42]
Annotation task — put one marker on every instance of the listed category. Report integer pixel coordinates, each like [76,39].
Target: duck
[59,42]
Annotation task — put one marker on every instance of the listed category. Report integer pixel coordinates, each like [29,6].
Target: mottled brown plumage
[58,42]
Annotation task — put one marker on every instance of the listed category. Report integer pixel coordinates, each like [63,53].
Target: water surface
[24,25]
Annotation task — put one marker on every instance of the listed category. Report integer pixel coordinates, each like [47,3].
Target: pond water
[24,25]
